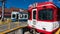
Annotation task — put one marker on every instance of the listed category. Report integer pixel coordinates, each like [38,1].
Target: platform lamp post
[3,5]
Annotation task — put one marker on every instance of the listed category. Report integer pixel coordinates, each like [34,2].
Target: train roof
[55,2]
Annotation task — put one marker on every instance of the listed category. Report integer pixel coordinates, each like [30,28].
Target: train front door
[34,17]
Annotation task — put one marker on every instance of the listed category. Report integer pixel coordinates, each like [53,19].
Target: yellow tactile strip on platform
[11,26]
[12,29]
[58,32]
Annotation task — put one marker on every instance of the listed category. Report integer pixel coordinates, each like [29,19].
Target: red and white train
[44,17]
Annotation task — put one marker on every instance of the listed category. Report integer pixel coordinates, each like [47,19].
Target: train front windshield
[46,14]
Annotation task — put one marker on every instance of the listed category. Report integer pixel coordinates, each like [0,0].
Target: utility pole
[3,6]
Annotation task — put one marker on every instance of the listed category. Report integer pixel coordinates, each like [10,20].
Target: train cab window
[13,15]
[46,14]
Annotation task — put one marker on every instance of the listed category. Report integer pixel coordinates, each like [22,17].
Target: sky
[22,3]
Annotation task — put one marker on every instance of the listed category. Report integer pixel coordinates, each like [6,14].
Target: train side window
[13,15]
[17,16]
[21,15]
[25,16]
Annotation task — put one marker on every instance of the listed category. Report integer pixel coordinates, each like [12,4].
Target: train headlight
[34,22]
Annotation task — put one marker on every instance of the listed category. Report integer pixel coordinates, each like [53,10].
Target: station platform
[11,26]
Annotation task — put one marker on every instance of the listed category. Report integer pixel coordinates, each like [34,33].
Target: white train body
[19,16]
[49,26]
